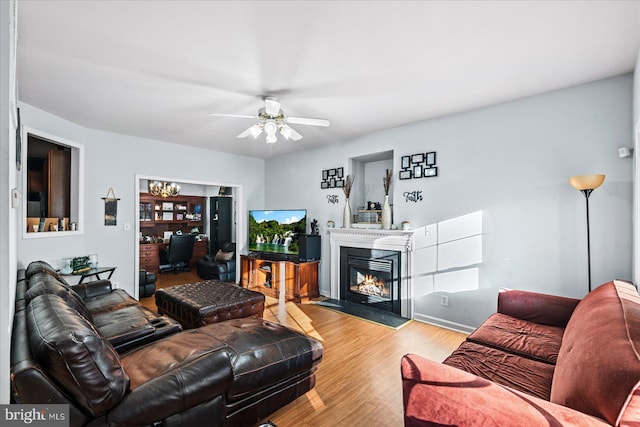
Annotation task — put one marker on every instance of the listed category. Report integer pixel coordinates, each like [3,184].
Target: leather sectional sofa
[232,373]
[541,360]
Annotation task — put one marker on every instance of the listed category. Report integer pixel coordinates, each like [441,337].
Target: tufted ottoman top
[209,301]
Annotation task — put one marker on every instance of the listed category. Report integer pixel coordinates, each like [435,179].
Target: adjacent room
[320,213]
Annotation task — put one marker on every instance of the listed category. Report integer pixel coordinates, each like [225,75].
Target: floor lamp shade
[586,184]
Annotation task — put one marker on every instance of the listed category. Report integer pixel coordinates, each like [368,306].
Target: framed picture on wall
[417,171]
[404,163]
[429,172]
[417,158]
[431,158]
[405,174]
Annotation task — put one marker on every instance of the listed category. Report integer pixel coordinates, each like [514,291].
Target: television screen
[276,231]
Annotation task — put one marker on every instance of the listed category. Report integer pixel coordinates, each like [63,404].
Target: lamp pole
[587,193]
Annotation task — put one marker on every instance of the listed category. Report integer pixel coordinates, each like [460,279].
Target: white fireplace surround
[402,241]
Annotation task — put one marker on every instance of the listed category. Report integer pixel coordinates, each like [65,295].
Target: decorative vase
[386,213]
[346,218]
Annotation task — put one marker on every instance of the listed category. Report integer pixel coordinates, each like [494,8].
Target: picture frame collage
[332,178]
[420,165]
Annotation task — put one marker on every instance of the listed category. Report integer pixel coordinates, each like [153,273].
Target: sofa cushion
[598,365]
[520,373]
[124,325]
[114,300]
[74,355]
[223,256]
[540,342]
[36,267]
[43,283]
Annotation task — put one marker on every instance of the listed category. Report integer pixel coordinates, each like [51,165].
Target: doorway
[189,211]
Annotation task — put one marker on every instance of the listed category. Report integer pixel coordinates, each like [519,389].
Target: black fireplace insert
[370,277]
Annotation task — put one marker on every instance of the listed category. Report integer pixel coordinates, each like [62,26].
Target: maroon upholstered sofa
[541,360]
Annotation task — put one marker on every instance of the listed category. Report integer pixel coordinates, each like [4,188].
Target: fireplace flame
[370,285]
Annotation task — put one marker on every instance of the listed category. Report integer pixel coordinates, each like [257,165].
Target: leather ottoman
[210,301]
[272,365]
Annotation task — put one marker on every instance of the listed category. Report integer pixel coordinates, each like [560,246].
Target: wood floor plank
[358,381]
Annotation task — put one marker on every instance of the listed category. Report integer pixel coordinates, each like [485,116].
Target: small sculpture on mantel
[314,227]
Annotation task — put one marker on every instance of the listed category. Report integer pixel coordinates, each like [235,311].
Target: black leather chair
[147,284]
[220,266]
[178,254]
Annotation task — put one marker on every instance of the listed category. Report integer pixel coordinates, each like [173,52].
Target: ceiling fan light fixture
[255,130]
[270,127]
[271,138]
[286,131]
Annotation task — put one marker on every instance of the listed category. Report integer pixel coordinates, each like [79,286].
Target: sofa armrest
[538,308]
[176,391]
[436,395]
[93,288]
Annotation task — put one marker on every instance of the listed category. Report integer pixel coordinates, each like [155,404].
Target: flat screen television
[276,232]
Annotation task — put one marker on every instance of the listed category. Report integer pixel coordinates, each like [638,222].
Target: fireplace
[371,277]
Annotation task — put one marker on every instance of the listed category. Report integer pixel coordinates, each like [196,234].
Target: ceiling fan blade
[289,133]
[307,121]
[254,131]
[271,107]
[240,116]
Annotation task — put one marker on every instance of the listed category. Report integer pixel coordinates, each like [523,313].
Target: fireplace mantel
[403,241]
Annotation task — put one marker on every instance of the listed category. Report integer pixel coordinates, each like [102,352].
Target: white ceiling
[155,69]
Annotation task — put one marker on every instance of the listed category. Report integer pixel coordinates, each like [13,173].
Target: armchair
[219,266]
[178,254]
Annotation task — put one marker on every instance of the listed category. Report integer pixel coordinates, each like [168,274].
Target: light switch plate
[15,198]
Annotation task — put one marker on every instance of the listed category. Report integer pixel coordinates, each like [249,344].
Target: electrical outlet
[444,300]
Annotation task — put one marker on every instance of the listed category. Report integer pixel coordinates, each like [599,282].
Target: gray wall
[113,161]
[511,162]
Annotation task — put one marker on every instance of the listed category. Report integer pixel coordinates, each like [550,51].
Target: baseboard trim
[458,327]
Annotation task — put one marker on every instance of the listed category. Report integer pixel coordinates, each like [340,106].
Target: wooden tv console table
[298,280]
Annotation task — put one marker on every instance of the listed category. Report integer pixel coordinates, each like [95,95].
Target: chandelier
[164,189]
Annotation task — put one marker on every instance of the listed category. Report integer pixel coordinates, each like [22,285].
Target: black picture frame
[325,173]
[417,171]
[430,172]
[332,172]
[404,163]
[431,158]
[324,185]
[340,172]
[417,158]
[405,174]
[340,183]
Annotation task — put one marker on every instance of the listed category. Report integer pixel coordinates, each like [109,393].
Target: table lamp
[586,184]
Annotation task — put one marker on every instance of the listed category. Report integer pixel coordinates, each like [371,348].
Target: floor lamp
[586,184]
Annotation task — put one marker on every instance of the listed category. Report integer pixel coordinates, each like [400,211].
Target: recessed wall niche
[369,170]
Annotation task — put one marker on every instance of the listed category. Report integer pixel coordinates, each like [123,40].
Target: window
[52,185]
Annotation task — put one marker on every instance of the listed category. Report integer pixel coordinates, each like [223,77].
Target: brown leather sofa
[118,317]
[232,373]
[541,360]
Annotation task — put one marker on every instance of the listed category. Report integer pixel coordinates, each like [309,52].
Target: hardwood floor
[358,380]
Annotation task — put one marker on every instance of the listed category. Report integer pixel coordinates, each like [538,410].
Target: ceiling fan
[272,121]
